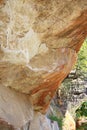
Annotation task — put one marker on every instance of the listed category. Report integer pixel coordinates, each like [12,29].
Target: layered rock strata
[39,41]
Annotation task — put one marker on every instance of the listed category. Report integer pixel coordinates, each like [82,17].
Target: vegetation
[82,110]
[59,120]
[83,127]
[81,66]
[81,71]
[80,113]
[70,87]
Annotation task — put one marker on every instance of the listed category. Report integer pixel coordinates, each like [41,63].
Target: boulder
[39,41]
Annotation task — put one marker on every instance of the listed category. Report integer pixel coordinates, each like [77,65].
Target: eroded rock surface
[15,108]
[39,41]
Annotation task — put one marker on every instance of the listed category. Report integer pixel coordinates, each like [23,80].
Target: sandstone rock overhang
[39,41]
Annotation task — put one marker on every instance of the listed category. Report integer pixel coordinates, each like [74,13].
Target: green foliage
[82,110]
[82,58]
[55,118]
[83,127]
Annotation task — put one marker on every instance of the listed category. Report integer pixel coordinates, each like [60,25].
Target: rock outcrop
[39,41]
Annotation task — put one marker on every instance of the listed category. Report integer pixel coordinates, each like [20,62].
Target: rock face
[69,122]
[15,108]
[39,41]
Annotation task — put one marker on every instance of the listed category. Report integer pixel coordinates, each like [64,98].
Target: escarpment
[39,42]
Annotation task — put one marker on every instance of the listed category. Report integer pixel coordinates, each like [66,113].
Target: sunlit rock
[39,41]
[69,122]
[15,108]
[40,122]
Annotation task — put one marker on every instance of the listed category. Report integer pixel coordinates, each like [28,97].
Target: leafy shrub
[82,110]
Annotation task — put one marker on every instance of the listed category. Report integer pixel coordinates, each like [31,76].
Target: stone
[69,122]
[40,122]
[39,41]
[15,108]
[39,84]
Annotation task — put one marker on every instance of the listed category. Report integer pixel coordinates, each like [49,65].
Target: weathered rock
[39,40]
[69,122]
[41,85]
[40,122]
[15,108]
